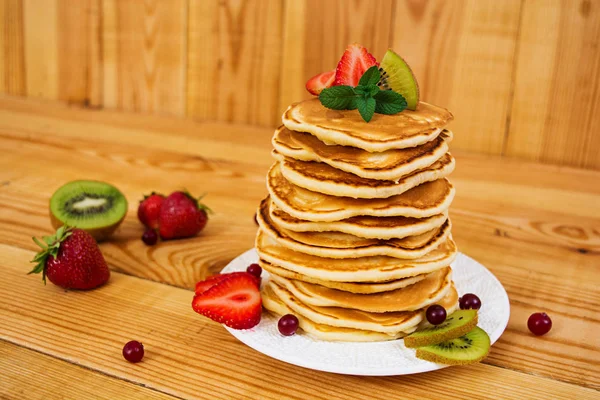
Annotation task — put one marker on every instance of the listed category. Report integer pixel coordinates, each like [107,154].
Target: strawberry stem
[50,248]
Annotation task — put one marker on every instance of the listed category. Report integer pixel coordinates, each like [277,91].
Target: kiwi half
[467,349]
[457,324]
[397,76]
[96,207]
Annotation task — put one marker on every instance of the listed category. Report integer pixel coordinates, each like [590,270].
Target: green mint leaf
[338,98]
[373,90]
[361,90]
[366,107]
[389,102]
[370,77]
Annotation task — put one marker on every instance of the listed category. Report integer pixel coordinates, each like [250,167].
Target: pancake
[388,165]
[322,178]
[319,331]
[364,269]
[423,201]
[428,291]
[383,132]
[353,287]
[390,322]
[361,226]
[340,240]
[381,248]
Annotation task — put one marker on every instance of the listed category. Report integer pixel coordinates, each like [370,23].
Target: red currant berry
[469,301]
[435,314]
[288,325]
[133,351]
[539,323]
[254,269]
[150,237]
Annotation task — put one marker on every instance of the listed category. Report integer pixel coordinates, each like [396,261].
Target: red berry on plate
[288,325]
[539,323]
[469,301]
[235,302]
[355,61]
[317,83]
[435,314]
[133,351]
[254,269]
[181,216]
[150,237]
[211,281]
[149,210]
[71,259]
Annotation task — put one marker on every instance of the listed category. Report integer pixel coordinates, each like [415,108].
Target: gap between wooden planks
[191,357]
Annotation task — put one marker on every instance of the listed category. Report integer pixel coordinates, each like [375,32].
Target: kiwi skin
[433,337]
[100,234]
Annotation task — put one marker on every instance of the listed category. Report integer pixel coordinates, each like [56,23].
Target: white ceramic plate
[379,358]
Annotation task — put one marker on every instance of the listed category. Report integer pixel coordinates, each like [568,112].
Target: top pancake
[383,132]
[388,165]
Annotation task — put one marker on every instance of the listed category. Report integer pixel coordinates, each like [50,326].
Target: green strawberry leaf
[366,107]
[389,102]
[370,77]
[339,98]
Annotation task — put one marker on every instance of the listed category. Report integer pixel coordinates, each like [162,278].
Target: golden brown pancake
[383,132]
[322,178]
[388,165]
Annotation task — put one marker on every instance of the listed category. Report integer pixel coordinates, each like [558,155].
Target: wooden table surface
[536,227]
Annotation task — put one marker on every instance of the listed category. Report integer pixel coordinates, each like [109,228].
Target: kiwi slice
[93,206]
[457,324]
[397,76]
[467,349]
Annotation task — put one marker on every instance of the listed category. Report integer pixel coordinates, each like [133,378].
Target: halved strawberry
[235,302]
[211,281]
[317,83]
[355,61]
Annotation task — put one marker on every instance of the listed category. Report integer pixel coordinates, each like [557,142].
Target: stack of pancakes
[355,232]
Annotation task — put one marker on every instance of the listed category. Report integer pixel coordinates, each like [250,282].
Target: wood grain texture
[544,252]
[35,376]
[556,105]
[12,64]
[144,55]
[462,54]
[317,33]
[191,357]
[234,59]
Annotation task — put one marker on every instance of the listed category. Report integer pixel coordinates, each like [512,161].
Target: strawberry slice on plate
[235,302]
[355,61]
[211,281]
[317,83]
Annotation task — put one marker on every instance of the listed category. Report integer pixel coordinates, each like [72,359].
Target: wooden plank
[41,48]
[12,66]
[462,53]
[555,114]
[191,357]
[144,55]
[234,59]
[316,34]
[40,377]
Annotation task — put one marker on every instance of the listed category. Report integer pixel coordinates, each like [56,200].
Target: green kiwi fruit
[457,324]
[467,349]
[96,207]
[397,76]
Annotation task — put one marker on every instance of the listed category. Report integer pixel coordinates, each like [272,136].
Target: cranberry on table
[254,269]
[539,323]
[435,314]
[133,351]
[469,301]
[150,237]
[288,325]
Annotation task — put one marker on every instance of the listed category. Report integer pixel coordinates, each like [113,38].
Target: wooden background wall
[522,77]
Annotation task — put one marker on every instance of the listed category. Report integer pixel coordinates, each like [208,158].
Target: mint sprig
[366,97]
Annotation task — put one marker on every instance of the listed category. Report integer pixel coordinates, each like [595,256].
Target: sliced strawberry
[235,302]
[355,61]
[211,281]
[317,83]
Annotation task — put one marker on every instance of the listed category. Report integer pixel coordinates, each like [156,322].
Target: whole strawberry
[181,216]
[71,259]
[149,210]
